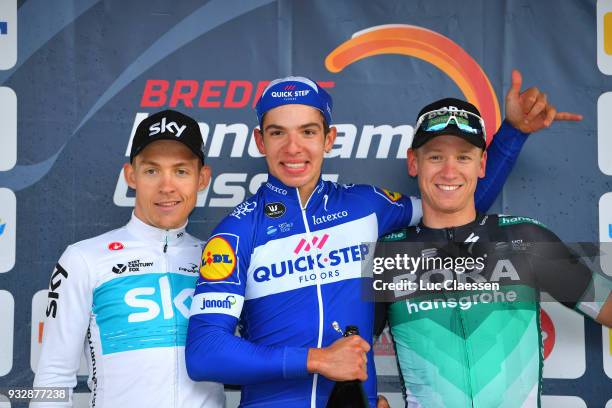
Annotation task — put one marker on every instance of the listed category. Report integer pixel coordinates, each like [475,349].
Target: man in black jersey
[465,311]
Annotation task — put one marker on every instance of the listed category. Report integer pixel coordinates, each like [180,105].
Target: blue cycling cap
[294,90]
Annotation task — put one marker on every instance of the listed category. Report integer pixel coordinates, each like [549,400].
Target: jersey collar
[146,232]
[285,192]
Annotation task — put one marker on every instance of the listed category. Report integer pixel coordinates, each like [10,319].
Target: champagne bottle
[348,394]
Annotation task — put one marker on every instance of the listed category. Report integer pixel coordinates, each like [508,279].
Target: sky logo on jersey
[219,258]
[143,311]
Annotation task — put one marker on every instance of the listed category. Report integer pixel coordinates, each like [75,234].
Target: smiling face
[448,169]
[293,141]
[167,177]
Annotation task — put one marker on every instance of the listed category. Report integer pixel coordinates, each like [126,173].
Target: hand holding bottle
[344,360]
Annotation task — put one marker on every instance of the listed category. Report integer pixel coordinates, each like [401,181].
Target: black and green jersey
[480,346]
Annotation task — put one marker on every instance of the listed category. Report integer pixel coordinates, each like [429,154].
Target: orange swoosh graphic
[429,46]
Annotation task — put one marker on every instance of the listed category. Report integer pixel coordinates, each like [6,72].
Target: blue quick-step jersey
[286,271]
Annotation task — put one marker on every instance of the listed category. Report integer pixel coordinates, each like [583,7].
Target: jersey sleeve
[393,210]
[568,275]
[501,157]
[66,324]
[213,352]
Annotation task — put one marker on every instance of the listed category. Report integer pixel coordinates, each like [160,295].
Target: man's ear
[483,165]
[204,178]
[258,134]
[129,173]
[330,138]
[411,163]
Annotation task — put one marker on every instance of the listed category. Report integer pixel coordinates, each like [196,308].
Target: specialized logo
[316,242]
[275,210]
[472,238]
[119,269]
[115,246]
[217,303]
[57,277]
[218,260]
[392,195]
[322,219]
[163,127]
[243,209]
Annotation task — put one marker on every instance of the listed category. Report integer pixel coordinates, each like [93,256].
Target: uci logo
[274,210]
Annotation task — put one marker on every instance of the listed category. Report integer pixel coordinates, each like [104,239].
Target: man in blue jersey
[286,262]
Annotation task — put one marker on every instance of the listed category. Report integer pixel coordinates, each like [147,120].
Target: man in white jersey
[124,296]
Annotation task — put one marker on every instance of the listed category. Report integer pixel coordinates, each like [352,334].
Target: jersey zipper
[166,270]
[450,235]
[315,377]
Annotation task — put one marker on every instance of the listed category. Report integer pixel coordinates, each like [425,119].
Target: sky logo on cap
[8,34]
[163,126]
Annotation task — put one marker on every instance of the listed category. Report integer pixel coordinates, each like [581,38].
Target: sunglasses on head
[440,119]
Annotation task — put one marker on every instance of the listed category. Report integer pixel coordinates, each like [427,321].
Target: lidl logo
[218,259]
[604,36]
